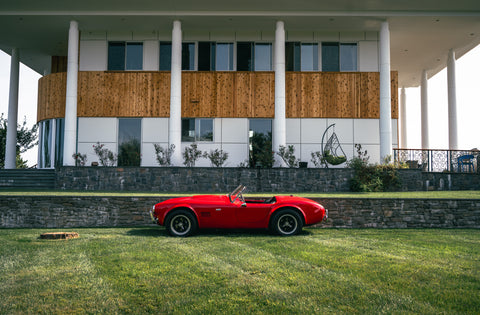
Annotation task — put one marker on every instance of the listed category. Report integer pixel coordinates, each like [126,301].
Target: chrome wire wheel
[287,224]
[180,225]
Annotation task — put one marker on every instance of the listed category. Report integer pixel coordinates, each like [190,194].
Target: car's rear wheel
[181,223]
[286,222]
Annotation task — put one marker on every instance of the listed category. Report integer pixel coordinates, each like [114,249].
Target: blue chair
[465,160]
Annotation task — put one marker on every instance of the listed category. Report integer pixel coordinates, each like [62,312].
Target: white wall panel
[293,130]
[93,35]
[234,130]
[366,131]
[147,35]
[155,130]
[352,36]
[312,130]
[93,55]
[94,130]
[151,51]
[327,36]
[368,56]
[395,133]
[237,153]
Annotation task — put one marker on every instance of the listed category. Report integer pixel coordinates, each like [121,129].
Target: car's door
[252,215]
[218,213]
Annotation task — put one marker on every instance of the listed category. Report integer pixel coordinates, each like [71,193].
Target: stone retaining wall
[220,180]
[70,212]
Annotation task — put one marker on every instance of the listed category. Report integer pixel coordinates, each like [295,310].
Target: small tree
[217,157]
[287,154]
[191,155]
[164,155]
[26,139]
[105,156]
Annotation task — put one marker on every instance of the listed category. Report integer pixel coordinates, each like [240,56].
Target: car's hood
[293,199]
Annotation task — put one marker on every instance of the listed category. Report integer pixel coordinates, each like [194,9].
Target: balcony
[465,161]
[232,94]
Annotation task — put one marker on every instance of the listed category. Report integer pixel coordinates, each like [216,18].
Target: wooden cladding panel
[336,95]
[123,94]
[227,94]
[218,94]
[51,96]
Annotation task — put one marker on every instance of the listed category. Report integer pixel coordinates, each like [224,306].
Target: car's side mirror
[244,204]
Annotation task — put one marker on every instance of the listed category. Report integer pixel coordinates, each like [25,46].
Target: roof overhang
[421,32]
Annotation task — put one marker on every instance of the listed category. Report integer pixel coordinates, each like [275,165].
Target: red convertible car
[283,215]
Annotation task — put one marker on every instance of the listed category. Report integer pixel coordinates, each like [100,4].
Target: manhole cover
[59,235]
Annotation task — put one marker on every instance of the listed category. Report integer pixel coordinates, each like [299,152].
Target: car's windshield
[237,193]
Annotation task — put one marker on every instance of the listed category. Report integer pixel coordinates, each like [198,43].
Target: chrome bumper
[325,217]
[154,219]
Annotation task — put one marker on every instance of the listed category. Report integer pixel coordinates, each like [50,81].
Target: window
[197,129]
[348,57]
[188,56]
[339,57]
[59,137]
[263,57]
[215,56]
[129,139]
[260,143]
[45,145]
[224,56]
[301,56]
[125,56]
[254,56]
[245,56]
[165,56]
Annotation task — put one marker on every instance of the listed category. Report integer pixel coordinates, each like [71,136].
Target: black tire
[181,223]
[286,222]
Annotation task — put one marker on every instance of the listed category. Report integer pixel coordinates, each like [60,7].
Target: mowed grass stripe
[142,270]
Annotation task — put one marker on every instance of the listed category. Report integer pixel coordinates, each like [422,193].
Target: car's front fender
[176,207]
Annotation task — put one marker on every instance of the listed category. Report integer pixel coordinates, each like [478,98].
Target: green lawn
[321,271]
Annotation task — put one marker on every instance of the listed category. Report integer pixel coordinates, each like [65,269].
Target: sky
[468,104]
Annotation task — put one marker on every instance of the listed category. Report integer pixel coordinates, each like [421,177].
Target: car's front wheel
[181,223]
[286,222]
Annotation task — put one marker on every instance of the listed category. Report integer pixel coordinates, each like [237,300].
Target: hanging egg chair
[332,151]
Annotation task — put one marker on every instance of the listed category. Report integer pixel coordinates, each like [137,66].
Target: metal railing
[432,160]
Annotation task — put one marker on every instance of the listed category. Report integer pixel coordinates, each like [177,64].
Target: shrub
[105,156]
[191,155]
[287,154]
[217,157]
[372,177]
[164,155]
[80,159]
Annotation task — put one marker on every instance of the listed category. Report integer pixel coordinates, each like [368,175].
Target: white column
[403,119]
[70,140]
[279,122]
[11,143]
[452,102]
[175,120]
[424,110]
[385,93]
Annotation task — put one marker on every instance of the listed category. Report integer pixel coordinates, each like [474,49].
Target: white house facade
[224,76]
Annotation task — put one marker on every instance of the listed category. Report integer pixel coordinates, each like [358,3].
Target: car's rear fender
[179,207]
[287,206]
